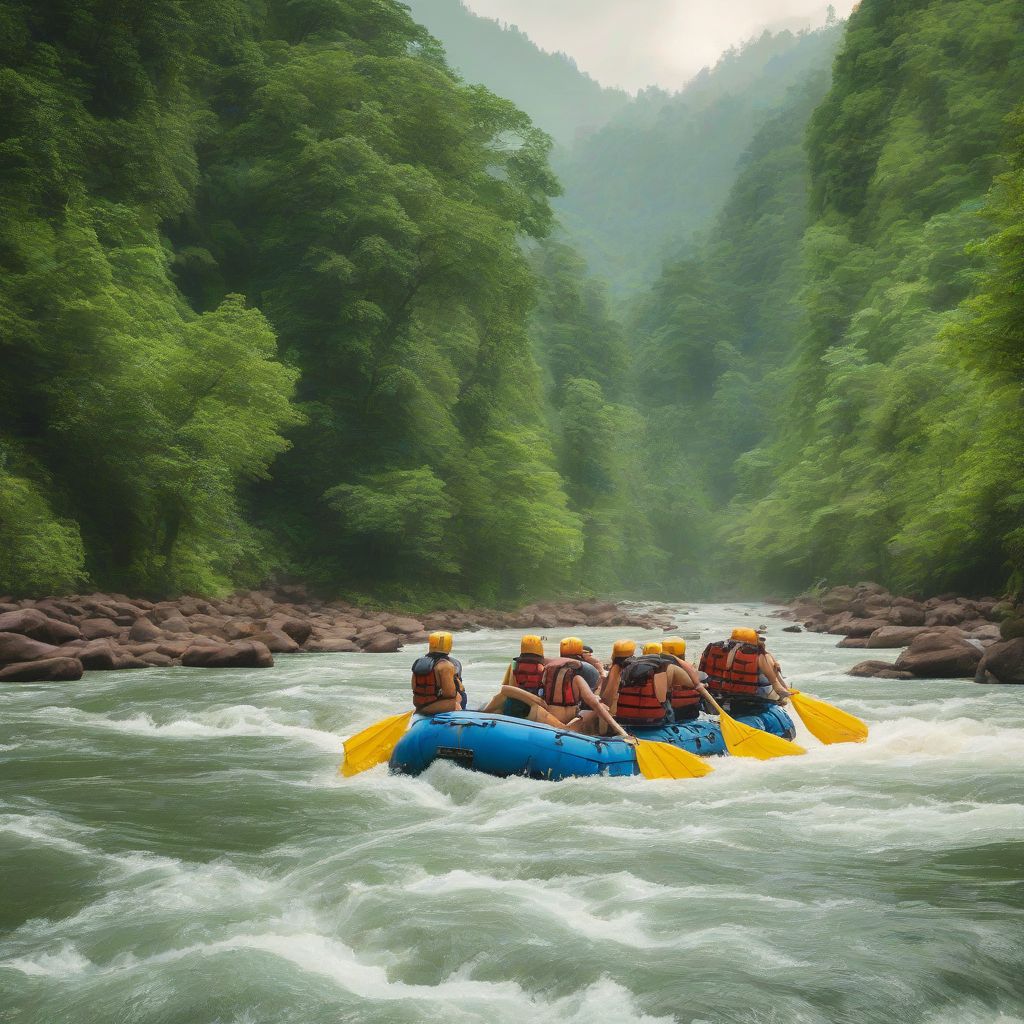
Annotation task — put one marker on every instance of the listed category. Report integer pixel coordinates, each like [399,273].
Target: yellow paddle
[827,722]
[373,745]
[744,741]
[663,761]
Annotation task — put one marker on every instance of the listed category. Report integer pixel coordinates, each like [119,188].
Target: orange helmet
[745,635]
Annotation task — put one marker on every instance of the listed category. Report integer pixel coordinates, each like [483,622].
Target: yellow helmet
[531,644]
[571,647]
[674,645]
[440,642]
[745,635]
[652,648]
[624,649]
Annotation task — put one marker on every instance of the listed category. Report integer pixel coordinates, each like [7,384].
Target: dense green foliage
[638,189]
[559,98]
[858,376]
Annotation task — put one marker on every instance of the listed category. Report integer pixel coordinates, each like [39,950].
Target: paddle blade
[663,761]
[827,722]
[374,745]
[743,741]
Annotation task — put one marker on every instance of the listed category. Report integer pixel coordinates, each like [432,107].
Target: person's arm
[588,697]
[446,674]
[691,674]
[767,666]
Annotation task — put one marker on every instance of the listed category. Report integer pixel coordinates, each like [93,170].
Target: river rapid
[177,847]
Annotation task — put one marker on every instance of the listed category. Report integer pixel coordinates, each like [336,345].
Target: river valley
[177,847]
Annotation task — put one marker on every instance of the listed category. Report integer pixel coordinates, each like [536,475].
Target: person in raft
[741,674]
[437,678]
[522,688]
[637,689]
[683,680]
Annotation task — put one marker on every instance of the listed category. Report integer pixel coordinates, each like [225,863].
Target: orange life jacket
[638,702]
[732,668]
[559,682]
[528,673]
[426,682]
[682,700]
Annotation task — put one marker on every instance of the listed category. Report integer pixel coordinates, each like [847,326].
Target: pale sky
[636,43]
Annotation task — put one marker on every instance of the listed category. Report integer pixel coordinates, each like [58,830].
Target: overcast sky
[636,43]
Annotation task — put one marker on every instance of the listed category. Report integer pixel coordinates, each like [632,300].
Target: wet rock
[276,642]
[240,654]
[331,645]
[906,615]
[385,643]
[947,614]
[838,599]
[175,624]
[1011,628]
[403,626]
[937,655]
[31,622]
[856,642]
[98,629]
[792,629]
[895,636]
[298,629]
[987,633]
[43,670]
[16,648]
[143,630]
[862,627]
[1003,662]
[99,655]
[878,670]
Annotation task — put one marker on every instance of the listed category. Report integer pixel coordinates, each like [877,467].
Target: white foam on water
[4,747]
[219,723]
[51,830]
[63,963]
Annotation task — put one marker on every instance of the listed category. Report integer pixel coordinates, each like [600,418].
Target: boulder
[123,662]
[948,614]
[31,622]
[99,655]
[298,629]
[16,648]
[1003,662]
[331,645]
[792,629]
[175,624]
[45,669]
[988,633]
[936,655]
[856,642]
[838,599]
[240,654]
[240,629]
[906,615]
[276,642]
[97,629]
[895,636]
[385,643]
[878,670]
[862,627]
[143,630]
[1011,628]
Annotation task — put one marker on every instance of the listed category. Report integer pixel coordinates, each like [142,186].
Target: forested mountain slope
[895,446]
[638,189]
[559,98]
[232,229]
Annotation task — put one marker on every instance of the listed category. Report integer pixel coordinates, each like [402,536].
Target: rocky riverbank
[943,637]
[59,638]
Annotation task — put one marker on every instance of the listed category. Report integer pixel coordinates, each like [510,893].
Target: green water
[176,846]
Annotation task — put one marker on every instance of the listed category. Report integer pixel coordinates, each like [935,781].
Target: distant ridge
[559,98]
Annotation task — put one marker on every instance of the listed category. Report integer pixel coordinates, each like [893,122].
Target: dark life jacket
[681,700]
[732,667]
[426,682]
[528,674]
[638,702]
[560,682]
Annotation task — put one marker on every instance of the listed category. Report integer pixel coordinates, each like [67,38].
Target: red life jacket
[528,673]
[732,667]
[560,682]
[682,700]
[426,682]
[638,702]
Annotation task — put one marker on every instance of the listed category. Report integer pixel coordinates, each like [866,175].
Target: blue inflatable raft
[503,746]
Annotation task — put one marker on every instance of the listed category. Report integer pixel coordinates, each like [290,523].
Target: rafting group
[575,692]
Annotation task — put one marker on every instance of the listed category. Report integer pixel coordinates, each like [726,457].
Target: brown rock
[862,627]
[385,643]
[403,625]
[240,630]
[838,599]
[948,614]
[154,659]
[276,642]
[240,654]
[45,669]
[792,629]
[895,636]
[97,629]
[53,611]
[878,670]
[298,629]
[935,655]
[17,648]
[99,655]
[906,615]
[988,633]
[175,624]
[174,648]
[1003,662]
[143,630]
[331,646]
[856,642]
[124,662]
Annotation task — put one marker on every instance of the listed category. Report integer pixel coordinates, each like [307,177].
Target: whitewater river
[176,846]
